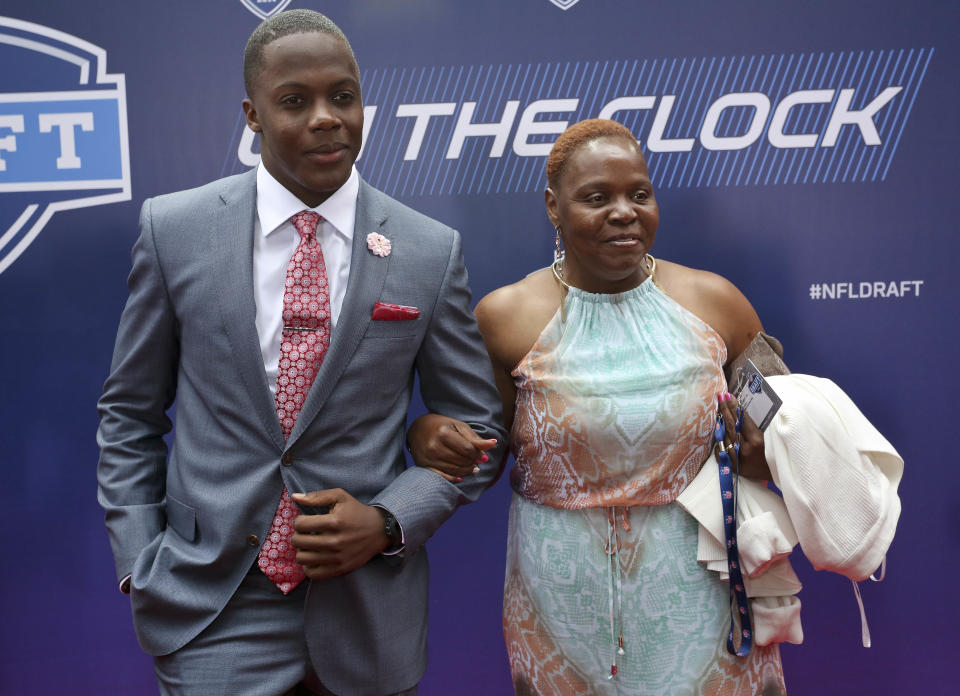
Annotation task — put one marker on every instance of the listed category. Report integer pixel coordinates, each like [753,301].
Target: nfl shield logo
[70,93]
[564,4]
[265,8]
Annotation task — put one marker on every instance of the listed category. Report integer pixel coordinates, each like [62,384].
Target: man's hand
[447,446]
[342,540]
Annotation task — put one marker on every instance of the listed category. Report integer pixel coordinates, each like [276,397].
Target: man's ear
[250,112]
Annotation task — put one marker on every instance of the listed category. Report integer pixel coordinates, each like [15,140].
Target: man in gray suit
[213,314]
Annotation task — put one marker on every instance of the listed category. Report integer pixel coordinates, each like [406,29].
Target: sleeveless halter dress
[603,592]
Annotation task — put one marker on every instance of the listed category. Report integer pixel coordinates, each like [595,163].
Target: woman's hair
[579,134]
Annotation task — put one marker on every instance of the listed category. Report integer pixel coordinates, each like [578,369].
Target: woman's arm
[737,322]
[510,320]
[719,303]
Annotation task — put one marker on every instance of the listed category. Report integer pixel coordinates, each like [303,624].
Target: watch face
[392,528]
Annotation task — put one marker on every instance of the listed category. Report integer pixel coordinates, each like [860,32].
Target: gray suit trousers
[229,657]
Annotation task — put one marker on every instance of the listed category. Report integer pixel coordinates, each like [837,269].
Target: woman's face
[604,206]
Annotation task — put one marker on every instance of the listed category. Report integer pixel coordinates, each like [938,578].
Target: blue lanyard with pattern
[738,593]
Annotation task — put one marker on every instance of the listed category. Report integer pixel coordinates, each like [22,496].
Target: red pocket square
[383,311]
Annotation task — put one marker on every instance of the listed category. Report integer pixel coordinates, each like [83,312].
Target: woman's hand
[447,446]
[753,462]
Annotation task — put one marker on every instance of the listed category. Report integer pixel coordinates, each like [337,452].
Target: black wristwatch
[392,529]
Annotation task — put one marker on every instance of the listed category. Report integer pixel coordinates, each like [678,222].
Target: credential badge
[63,131]
[265,8]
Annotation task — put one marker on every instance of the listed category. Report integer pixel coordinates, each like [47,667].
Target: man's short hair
[285,24]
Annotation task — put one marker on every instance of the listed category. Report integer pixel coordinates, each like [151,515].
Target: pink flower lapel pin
[378,244]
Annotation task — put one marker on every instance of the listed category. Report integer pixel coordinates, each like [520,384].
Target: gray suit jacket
[187,524]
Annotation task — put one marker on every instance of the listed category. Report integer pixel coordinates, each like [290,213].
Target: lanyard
[738,593]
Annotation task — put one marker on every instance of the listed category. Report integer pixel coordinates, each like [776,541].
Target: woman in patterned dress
[610,364]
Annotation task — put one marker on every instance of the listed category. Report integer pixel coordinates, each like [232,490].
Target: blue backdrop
[807,151]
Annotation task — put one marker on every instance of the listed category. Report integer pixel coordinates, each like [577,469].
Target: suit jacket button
[287,459]
[253,541]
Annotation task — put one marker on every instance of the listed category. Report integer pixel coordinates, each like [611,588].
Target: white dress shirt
[274,241]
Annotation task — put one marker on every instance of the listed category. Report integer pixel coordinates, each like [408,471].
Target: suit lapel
[232,251]
[364,287]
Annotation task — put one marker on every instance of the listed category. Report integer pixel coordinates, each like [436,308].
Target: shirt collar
[276,204]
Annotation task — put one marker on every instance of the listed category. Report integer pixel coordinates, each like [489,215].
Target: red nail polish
[459,479]
[484,458]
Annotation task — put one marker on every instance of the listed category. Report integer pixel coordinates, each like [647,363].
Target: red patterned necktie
[306,337]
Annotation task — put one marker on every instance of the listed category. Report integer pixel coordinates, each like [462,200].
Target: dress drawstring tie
[615,573]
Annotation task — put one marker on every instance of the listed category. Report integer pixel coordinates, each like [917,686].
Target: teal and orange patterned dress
[603,594]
